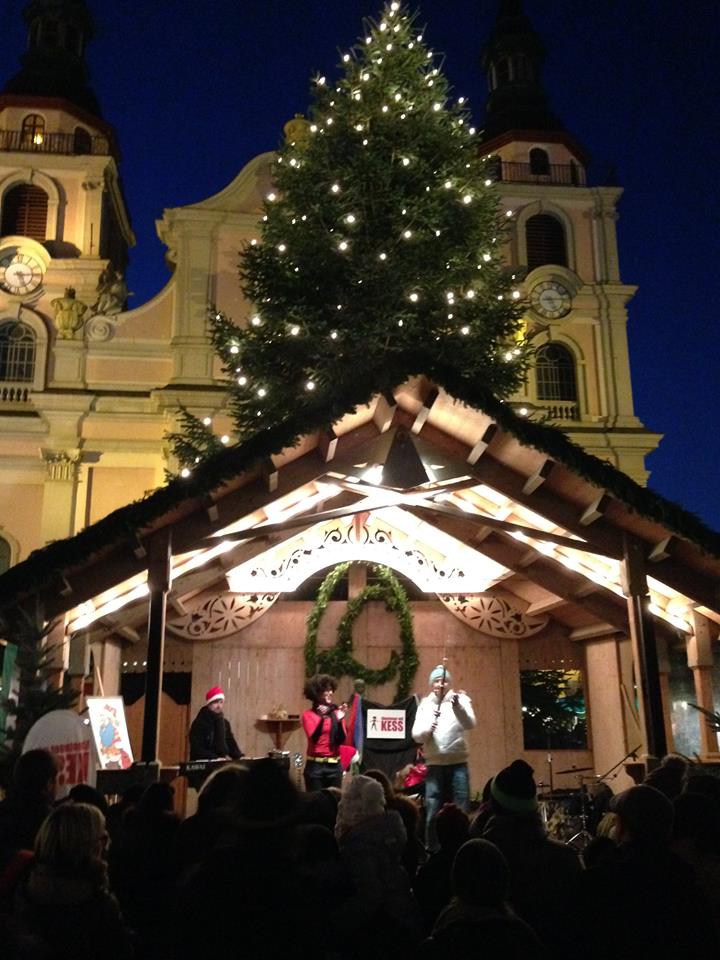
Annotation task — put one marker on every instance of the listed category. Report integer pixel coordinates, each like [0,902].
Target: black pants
[320,775]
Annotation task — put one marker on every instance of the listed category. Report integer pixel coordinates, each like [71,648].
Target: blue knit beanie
[438,673]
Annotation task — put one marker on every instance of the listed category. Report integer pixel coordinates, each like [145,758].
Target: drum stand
[582,838]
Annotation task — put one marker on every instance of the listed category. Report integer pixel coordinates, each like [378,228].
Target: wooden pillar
[642,636]
[700,661]
[159,570]
[664,671]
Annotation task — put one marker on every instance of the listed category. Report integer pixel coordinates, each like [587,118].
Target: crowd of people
[265,870]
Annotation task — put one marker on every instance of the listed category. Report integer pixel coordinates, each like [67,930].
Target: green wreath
[339,660]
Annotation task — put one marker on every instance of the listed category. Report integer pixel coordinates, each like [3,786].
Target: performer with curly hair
[324,726]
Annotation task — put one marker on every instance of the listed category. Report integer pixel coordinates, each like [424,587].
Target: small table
[279,728]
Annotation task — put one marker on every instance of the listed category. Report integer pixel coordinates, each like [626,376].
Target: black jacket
[211,737]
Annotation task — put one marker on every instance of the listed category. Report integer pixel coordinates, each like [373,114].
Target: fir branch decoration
[339,660]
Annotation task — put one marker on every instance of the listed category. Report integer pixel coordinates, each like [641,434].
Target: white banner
[385,725]
[65,734]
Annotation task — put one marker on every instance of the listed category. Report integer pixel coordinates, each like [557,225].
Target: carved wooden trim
[493,615]
[222,616]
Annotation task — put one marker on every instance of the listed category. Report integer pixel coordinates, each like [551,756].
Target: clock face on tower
[20,273]
[550,299]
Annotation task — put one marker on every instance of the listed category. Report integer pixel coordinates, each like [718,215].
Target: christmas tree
[380,248]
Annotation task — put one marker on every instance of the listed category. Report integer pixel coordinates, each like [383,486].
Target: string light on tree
[371,190]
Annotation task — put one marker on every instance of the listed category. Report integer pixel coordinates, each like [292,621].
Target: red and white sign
[65,734]
[385,725]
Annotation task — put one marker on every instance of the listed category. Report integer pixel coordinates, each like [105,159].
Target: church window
[545,241]
[539,162]
[82,143]
[33,131]
[50,33]
[5,555]
[523,69]
[17,352]
[502,71]
[24,212]
[555,373]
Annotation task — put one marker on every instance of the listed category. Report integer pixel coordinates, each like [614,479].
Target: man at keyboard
[211,736]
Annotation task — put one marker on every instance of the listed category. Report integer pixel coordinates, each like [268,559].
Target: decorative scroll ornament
[493,615]
[222,616]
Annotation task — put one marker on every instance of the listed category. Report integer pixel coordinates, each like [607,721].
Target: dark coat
[206,736]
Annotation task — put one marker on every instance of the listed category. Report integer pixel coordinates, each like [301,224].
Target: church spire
[54,63]
[512,61]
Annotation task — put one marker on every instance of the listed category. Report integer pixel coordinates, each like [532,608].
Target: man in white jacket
[440,724]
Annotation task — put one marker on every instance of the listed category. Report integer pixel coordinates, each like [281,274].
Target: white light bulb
[253,243]
[282,248]
[242,381]
[407,234]
[405,162]
[464,331]
[461,100]
[472,131]
[430,82]
[385,108]
[402,116]
[334,335]
[470,295]
[388,47]
[224,438]
[350,218]
[321,81]
[500,296]
[270,197]
[382,256]
[398,96]
[364,143]
[359,127]
[261,391]
[256,321]
[383,27]
[329,122]
[488,183]
[346,57]
[310,385]
[184,472]
[467,198]
[437,106]
[295,330]
[437,233]
[447,184]
[516,294]
[508,355]
[207,421]
[366,76]
[487,258]
[339,307]
[368,39]
[414,297]
[313,128]
[335,188]
[343,245]
[400,323]
[419,39]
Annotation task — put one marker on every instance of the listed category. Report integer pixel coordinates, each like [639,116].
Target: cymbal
[574,770]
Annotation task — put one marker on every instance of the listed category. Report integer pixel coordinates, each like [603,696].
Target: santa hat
[213,694]
[514,789]
[440,673]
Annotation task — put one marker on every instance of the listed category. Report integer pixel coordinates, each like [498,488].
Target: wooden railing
[66,143]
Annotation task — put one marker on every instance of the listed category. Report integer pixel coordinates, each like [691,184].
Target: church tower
[563,243]
[63,218]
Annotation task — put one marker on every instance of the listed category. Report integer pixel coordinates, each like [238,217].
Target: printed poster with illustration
[107,721]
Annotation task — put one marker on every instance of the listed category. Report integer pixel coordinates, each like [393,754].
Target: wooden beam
[482,444]
[424,411]
[592,631]
[384,411]
[594,510]
[327,444]
[159,575]
[539,477]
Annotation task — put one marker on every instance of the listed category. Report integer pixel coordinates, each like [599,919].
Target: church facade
[89,388]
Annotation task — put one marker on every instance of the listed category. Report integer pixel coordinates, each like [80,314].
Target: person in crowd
[543,872]
[670,776]
[371,840]
[324,726]
[479,913]
[646,901]
[211,736]
[410,815]
[217,809]
[84,793]
[65,908]
[432,886]
[29,801]
[141,863]
[696,839]
[442,719]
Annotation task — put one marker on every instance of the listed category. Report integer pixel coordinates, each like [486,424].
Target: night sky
[196,90]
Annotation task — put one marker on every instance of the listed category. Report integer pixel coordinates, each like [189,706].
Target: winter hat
[514,790]
[480,874]
[362,798]
[646,814]
[438,673]
[213,694]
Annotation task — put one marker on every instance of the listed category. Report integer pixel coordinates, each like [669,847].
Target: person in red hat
[211,736]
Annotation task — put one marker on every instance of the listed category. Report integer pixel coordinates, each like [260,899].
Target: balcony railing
[563,174]
[65,143]
[560,410]
[14,395]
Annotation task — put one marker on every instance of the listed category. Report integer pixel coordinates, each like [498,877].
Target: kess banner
[385,725]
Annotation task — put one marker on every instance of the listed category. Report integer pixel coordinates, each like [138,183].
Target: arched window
[50,33]
[502,71]
[545,241]
[5,555]
[523,68]
[539,162]
[33,132]
[17,352]
[555,373]
[24,212]
[81,141]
